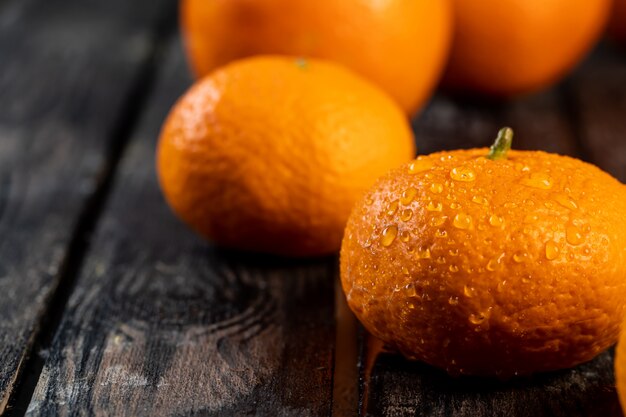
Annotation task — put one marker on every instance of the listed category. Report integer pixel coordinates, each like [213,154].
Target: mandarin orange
[502,265]
[401,45]
[270,153]
[508,47]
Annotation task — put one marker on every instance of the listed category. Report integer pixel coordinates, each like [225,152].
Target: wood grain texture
[163,324]
[392,386]
[67,67]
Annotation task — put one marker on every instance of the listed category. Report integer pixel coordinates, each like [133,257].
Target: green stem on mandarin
[502,145]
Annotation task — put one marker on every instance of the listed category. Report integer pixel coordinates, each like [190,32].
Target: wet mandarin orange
[617,23]
[401,45]
[497,266]
[620,367]
[270,153]
[509,47]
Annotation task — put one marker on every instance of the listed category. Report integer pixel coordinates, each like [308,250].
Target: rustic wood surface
[110,306]
[162,323]
[62,98]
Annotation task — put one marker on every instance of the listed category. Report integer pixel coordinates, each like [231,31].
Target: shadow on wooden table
[398,387]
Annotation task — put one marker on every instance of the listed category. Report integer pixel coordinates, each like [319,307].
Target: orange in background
[400,45]
[270,153]
[509,47]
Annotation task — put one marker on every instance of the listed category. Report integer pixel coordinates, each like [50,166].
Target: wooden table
[110,306]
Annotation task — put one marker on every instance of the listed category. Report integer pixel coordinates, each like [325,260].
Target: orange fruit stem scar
[502,145]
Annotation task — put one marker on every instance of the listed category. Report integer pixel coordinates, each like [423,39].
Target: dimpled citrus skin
[509,47]
[620,367]
[493,268]
[269,154]
[401,45]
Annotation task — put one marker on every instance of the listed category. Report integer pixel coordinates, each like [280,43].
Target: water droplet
[408,195]
[409,290]
[405,270]
[468,291]
[464,174]
[548,204]
[438,220]
[500,286]
[369,200]
[423,253]
[573,235]
[496,221]
[453,301]
[480,200]
[441,233]
[392,208]
[462,221]
[455,206]
[440,260]
[453,268]
[436,188]
[389,235]
[432,206]
[520,257]
[420,165]
[565,201]
[538,180]
[406,215]
[454,252]
[476,318]
[552,250]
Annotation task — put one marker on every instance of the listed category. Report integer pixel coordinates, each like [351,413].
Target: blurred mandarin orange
[509,47]
[400,45]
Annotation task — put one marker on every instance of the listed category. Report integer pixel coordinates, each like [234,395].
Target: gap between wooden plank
[27,377]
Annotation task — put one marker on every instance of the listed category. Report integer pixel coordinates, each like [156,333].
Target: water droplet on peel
[565,201]
[464,174]
[520,257]
[423,253]
[492,265]
[538,180]
[453,301]
[480,200]
[441,233]
[496,221]
[406,215]
[552,250]
[392,208]
[389,235]
[408,195]
[548,204]
[462,221]
[468,291]
[440,260]
[420,165]
[405,270]
[369,200]
[531,218]
[432,206]
[476,318]
[573,235]
[409,290]
[453,268]
[436,188]
[455,206]
[500,286]
[454,252]
[405,236]
[438,220]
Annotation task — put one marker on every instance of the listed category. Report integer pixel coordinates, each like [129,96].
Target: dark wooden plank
[163,324]
[67,67]
[393,386]
[597,99]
